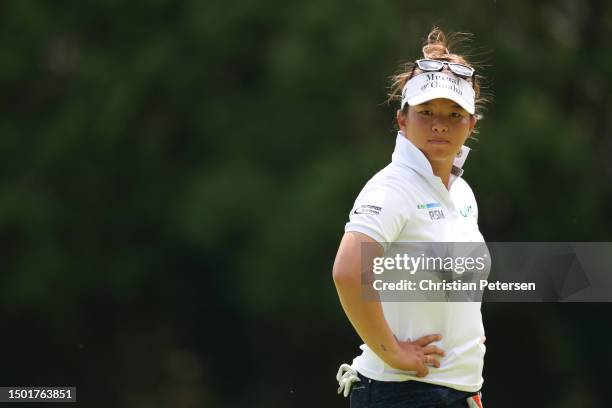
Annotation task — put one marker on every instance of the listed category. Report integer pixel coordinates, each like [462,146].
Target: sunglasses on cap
[429,65]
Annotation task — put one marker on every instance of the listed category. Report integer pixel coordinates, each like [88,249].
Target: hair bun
[435,51]
[436,45]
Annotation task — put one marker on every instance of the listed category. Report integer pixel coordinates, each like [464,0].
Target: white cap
[432,85]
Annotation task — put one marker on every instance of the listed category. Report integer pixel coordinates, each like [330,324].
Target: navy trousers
[370,393]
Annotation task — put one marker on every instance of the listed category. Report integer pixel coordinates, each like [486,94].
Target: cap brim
[440,94]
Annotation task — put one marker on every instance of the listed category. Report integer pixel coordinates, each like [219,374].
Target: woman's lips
[438,141]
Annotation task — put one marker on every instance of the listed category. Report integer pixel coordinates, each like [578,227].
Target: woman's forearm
[368,320]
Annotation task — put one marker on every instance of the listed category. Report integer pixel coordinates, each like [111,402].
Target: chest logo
[467,210]
[433,209]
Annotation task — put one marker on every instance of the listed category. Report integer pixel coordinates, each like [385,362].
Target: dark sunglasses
[429,65]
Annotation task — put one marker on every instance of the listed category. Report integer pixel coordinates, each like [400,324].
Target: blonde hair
[438,46]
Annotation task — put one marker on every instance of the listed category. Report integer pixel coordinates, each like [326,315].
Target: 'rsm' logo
[436,214]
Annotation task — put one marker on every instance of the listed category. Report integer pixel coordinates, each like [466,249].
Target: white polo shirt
[393,207]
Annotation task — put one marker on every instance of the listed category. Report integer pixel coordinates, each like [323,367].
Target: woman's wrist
[388,351]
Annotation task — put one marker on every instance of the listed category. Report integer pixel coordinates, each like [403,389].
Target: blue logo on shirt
[434,212]
[428,205]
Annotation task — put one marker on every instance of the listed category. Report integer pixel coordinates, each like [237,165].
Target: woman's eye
[425,112]
[455,115]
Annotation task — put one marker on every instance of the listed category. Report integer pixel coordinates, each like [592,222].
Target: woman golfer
[417,354]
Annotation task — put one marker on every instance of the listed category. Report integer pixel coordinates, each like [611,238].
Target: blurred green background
[176,177]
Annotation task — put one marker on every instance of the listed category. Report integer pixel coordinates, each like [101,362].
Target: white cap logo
[433,85]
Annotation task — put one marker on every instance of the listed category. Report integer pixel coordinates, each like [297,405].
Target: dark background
[176,176]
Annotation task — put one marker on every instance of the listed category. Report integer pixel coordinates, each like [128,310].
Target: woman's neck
[442,169]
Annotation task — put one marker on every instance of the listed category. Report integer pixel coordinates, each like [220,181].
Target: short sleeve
[379,213]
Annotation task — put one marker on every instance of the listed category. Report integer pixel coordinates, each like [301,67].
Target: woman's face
[438,128]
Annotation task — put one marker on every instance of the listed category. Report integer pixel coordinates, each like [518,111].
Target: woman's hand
[416,355]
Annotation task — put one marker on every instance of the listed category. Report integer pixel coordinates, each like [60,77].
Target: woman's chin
[439,153]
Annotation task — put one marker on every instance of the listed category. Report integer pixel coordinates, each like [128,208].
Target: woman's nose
[439,127]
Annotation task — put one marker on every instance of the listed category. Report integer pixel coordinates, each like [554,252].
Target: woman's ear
[401,120]
[473,120]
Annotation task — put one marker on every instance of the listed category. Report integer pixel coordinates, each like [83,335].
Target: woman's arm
[367,316]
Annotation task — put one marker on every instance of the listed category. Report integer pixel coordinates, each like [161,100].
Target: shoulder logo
[433,209]
[367,209]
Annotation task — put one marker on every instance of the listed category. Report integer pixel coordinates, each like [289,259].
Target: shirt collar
[408,154]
